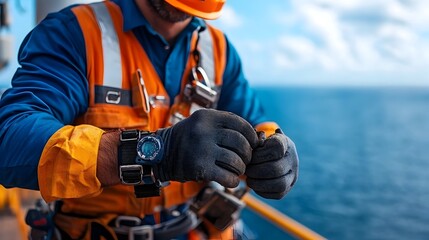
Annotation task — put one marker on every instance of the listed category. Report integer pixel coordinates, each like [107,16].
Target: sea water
[364,161]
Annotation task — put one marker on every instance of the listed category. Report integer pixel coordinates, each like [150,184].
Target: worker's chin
[168,12]
[177,18]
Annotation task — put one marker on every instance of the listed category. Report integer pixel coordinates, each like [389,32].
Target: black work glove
[274,167]
[209,145]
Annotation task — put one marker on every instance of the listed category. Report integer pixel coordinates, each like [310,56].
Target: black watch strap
[127,149]
[132,173]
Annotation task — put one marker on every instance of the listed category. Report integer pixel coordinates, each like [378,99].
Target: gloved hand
[209,145]
[274,167]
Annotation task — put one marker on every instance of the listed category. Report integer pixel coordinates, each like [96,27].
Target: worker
[130,115]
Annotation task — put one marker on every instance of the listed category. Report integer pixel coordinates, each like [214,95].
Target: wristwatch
[138,152]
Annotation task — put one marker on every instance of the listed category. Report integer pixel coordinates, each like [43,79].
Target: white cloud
[347,42]
[354,35]
[230,18]
[294,51]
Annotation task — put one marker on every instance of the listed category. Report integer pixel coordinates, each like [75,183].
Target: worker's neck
[167,29]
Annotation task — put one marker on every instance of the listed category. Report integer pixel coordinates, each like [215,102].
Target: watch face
[148,149]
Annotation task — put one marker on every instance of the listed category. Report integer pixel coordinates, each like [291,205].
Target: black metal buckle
[135,230]
[130,168]
[129,135]
[218,207]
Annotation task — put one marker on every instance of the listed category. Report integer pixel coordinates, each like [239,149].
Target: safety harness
[139,101]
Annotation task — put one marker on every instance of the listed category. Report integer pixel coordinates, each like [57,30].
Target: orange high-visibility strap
[114,116]
[65,146]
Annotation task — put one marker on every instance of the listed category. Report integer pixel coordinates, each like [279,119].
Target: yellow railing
[12,198]
[280,219]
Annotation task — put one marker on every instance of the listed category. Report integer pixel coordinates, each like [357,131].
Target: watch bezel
[156,156]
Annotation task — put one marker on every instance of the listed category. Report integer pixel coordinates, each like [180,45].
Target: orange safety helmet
[207,9]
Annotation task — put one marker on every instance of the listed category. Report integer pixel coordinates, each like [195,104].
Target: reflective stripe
[112,76]
[110,44]
[207,55]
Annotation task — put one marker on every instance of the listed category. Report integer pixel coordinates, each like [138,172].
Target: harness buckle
[131,169]
[131,226]
[113,97]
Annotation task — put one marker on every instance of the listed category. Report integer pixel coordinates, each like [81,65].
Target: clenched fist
[273,169]
[209,145]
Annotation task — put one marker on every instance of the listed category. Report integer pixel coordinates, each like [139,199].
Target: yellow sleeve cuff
[68,165]
[269,128]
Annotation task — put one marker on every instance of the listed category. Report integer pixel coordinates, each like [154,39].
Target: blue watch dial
[149,150]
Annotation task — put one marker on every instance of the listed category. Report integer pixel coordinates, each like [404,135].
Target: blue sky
[329,42]
[314,42]
[22,18]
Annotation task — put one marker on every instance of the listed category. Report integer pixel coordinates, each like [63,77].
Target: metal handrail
[11,197]
[280,219]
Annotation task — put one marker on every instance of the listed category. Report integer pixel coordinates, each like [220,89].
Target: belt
[131,228]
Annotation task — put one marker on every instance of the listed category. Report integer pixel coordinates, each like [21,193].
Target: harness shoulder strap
[104,66]
[219,51]
[112,76]
[212,48]
[206,53]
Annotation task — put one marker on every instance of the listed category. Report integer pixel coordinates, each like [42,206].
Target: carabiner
[199,71]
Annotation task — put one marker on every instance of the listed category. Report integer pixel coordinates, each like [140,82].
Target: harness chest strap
[211,60]
[106,115]
[110,112]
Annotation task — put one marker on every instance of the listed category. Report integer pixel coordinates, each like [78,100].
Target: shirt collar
[133,18]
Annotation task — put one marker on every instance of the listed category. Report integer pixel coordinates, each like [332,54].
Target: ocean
[364,161]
